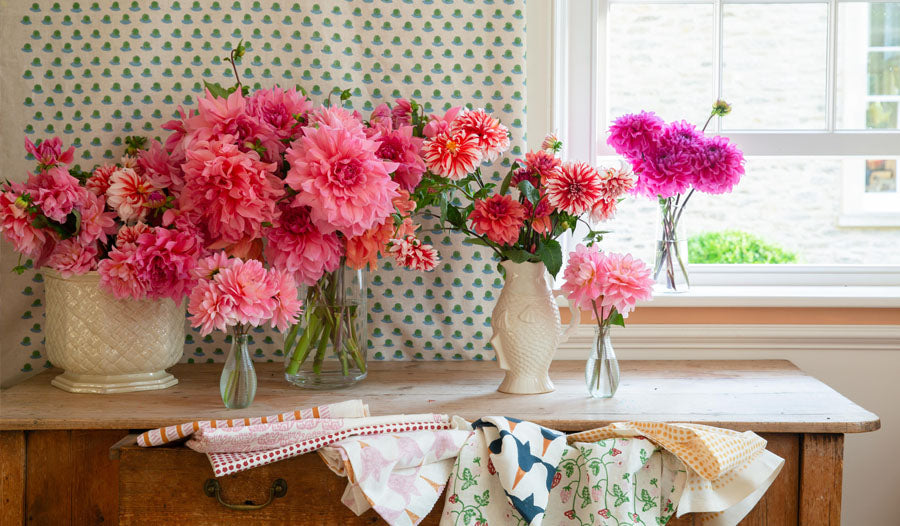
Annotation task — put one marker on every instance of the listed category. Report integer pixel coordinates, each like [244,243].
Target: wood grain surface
[758,395]
[821,473]
[12,477]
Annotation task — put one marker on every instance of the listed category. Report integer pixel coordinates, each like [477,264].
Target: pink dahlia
[175,141]
[584,277]
[128,194]
[617,182]
[233,192]
[96,223]
[402,113]
[72,258]
[399,146]
[719,166]
[452,154]
[49,152]
[381,117]
[16,223]
[157,165]
[626,281]
[499,218]
[336,117]
[56,192]
[297,246]
[252,293]
[287,302]
[493,137]
[209,266]
[119,274]
[211,308]
[130,234]
[575,188]
[98,182]
[635,134]
[340,178]
[165,260]
[543,163]
[217,117]
[279,110]
[438,125]
[409,252]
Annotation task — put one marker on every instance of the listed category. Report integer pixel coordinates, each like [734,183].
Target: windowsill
[869,220]
[782,296]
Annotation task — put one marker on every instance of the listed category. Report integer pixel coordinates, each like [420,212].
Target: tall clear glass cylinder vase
[602,369]
[327,348]
[670,265]
[237,385]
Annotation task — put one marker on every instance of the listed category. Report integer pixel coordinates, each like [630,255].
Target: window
[815,86]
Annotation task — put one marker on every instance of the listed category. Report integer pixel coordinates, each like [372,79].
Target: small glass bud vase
[602,370]
[238,382]
[670,265]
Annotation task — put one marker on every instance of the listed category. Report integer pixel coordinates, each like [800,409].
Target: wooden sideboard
[58,467]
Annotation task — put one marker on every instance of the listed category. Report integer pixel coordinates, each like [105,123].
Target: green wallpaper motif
[94,71]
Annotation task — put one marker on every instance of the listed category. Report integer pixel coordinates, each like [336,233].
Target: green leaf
[483,499]
[444,205]
[620,496]
[216,89]
[529,191]
[616,318]
[455,217]
[550,253]
[504,186]
[516,255]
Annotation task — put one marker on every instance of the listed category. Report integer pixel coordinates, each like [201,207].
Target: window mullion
[718,57]
[831,68]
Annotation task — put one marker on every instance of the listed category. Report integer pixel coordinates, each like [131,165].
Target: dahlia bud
[156,199]
[721,108]
[21,202]
[552,143]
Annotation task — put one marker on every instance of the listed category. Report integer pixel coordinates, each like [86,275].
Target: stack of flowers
[553,196]
[671,162]
[109,220]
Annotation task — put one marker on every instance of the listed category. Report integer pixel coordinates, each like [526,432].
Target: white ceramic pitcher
[527,329]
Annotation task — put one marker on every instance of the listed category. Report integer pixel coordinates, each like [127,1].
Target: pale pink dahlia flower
[339,177]
[410,253]
[56,192]
[128,193]
[278,110]
[499,218]
[493,137]
[119,274]
[452,154]
[49,152]
[437,125]
[157,165]
[583,277]
[233,192]
[574,188]
[402,113]
[211,308]
[72,258]
[96,223]
[626,281]
[288,305]
[297,246]
[252,293]
[165,260]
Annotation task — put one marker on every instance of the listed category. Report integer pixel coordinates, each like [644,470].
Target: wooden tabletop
[758,395]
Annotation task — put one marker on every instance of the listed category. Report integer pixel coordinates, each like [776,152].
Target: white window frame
[579,91]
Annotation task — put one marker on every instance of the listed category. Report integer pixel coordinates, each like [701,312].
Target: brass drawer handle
[212,489]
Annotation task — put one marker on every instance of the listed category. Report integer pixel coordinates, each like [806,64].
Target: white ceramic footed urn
[527,329]
[107,345]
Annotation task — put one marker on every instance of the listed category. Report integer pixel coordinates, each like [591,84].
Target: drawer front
[166,486]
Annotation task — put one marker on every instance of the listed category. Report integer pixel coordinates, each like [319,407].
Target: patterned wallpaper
[95,71]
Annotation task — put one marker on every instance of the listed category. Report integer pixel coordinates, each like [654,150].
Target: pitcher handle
[574,321]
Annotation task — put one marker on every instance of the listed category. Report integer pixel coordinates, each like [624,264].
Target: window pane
[791,205]
[868,80]
[775,66]
[660,59]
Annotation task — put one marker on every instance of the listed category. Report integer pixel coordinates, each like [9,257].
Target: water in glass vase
[670,266]
[237,385]
[327,348]
[601,373]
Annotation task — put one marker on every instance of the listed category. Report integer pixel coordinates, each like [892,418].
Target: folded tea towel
[727,472]
[164,435]
[503,474]
[399,475]
[320,433]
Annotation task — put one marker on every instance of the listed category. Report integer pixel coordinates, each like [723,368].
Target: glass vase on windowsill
[326,349]
[670,265]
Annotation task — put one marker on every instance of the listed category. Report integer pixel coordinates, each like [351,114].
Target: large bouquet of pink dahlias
[111,220]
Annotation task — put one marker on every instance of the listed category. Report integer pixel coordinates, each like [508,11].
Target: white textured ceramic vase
[107,345]
[527,329]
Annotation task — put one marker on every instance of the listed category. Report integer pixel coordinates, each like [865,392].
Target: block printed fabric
[93,72]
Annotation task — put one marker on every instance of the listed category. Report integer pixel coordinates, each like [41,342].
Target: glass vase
[602,370]
[237,384]
[670,265]
[327,348]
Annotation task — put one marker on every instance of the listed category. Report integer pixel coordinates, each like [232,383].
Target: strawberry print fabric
[399,475]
